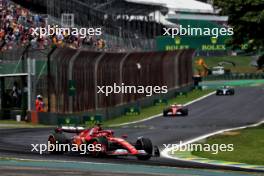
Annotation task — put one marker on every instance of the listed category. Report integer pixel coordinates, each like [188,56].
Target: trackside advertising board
[202,43]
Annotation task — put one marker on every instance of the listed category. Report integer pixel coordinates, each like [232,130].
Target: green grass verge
[22,124]
[154,110]
[242,63]
[248,146]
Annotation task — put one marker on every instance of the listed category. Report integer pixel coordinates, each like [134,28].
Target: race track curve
[208,115]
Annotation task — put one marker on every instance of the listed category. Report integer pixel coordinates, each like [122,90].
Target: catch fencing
[89,69]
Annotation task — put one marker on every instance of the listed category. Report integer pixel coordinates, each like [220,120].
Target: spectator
[39,104]
[16,25]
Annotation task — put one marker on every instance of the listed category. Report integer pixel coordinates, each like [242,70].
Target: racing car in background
[175,110]
[110,145]
[225,90]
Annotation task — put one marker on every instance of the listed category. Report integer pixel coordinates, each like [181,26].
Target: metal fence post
[98,59]
[49,76]
[121,74]
[29,84]
[74,57]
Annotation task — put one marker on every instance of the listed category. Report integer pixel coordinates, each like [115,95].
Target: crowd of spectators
[16,24]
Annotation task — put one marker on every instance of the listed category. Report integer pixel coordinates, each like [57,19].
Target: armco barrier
[234,76]
[91,69]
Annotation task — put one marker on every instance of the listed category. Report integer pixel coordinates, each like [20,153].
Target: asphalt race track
[208,115]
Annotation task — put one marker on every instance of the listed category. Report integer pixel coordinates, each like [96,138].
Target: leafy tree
[247,19]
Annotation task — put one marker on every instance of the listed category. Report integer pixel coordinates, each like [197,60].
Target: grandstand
[129,24]
[122,28]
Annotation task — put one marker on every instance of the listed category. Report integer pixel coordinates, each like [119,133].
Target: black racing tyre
[144,144]
[165,113]
[56,139]
[185,112]
[104,146]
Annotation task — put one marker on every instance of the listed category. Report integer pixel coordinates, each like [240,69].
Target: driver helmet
[99,125]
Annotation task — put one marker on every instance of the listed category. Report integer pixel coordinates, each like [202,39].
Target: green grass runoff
[248,146]
[154,110]
[243,63]
[21,124]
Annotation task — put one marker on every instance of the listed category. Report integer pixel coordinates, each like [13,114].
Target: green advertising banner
[202,43]
[132,111]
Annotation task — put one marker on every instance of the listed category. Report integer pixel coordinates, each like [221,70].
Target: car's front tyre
[185,112]
[146,145]
[165,113]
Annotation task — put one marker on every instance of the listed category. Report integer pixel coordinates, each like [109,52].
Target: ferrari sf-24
[110,145]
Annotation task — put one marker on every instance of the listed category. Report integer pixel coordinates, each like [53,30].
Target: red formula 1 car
[175,110]
[102,143]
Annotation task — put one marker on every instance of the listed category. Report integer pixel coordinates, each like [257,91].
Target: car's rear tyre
[56,139]
[165,113]
[104,146]
[144,144]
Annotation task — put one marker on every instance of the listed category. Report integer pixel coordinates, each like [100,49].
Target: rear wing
[70,129]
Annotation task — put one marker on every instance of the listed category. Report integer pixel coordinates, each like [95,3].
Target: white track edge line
[165,152]
[157,115]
